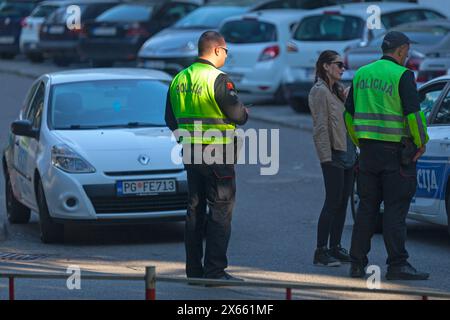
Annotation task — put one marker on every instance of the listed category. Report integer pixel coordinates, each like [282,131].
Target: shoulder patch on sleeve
[230,86]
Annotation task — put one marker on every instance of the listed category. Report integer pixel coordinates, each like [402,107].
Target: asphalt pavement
[273,237]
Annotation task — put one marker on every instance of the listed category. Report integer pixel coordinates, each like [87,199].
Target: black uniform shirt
[407,89]
[226,97]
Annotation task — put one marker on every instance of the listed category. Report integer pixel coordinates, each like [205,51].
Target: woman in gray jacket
[337,156]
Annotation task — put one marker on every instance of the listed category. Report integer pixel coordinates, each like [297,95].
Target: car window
[429,96]
[94,10]
[107,103]
[36,105]
[174,12]
[329,28]
[17,9]
[127,12]
[443,114]
[249,31]
[208,17]
[43,11]
[394,19]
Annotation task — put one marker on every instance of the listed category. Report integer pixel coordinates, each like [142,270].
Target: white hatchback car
[92,146]
[257,44]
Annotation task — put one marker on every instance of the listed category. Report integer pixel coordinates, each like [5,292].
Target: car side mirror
[24,128]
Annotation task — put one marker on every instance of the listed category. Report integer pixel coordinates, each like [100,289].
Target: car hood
[119,150]
[172,42]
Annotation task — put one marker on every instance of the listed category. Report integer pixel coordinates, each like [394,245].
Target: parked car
[431,202]
[119,33]
[58,161]
[339,28]
[60,43]
[175,48]
[436,63]
[12,15]
[431,36]
[257,50]
[31,26]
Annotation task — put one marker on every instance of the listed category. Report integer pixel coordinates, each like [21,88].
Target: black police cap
[395,39]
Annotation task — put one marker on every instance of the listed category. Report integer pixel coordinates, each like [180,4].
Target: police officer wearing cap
[202,98]
[383,117]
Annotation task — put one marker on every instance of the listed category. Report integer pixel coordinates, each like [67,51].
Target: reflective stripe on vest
[378,108]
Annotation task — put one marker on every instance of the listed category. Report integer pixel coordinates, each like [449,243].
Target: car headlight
[67,160]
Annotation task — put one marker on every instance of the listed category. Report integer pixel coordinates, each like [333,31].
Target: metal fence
[150,279]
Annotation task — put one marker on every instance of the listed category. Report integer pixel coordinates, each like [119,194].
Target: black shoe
[323,258]
[226,276]
[340,254]
[357,271]
[406,272]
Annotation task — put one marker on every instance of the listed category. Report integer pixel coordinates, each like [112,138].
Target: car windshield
[329,27]
[15,9]
[249,31]
[127,12]
[209,17]
[406,16]
[107,104]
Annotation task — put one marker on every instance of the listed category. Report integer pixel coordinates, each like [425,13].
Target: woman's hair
[328,56]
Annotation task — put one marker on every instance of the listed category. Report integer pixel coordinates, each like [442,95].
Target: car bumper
[96,199]
[110,50]
[169,65]
[30,47]
[56,48]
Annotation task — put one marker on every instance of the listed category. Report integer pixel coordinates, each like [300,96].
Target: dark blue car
[12,15]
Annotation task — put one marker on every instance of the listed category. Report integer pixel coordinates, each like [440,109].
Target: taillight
[137,30]
[269,53]
[291,47]
[425,76]
[23,22]
[414,64]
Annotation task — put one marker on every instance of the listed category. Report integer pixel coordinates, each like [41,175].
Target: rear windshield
[107,103]
[15,9]
[406,16]
[208,17]
[127,12]
[249,31]
[43,11]
[329,28]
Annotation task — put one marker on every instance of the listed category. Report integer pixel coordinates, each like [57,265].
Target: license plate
[154,64]
[6,40]
[102,31]
[56,30]
[146,187]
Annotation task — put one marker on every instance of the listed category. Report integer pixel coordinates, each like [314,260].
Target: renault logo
[144,159]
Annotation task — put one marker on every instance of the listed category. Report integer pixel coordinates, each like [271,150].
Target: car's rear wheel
[35,57]
[299,105]
[51,232]
[279,97]
[16,212]
[7,56]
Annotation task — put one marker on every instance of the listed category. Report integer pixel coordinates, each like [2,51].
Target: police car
[92,146]
[431,202]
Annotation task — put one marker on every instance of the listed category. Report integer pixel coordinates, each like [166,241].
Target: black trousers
[338,185]
[382,179]
[212,186]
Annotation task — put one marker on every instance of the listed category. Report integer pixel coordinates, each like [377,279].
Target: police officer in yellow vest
[203,110]
[383,117]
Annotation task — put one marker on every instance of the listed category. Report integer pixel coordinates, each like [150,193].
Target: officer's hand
[419,153]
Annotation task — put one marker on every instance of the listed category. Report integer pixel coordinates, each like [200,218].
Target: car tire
[354,203]
[50,231]
[299,105]
[16,212]
[7,56]
[279,97]
[102,63]
[61,61]
[35,57]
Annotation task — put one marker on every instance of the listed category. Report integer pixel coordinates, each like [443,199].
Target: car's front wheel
[51,232]
[17,213]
